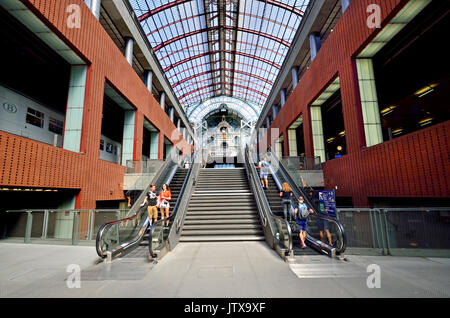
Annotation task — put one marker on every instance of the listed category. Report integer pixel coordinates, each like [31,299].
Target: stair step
[205,216]
[213,211]
[216,226]
[222,203]
[222,221]
[222,238]
[222,232]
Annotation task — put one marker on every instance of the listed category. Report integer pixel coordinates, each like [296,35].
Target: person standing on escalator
[301,213]
[322,224]
[152,200]
[165,196]
[286,194]
[264,172]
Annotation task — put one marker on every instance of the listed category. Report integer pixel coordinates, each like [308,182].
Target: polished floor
[215,270]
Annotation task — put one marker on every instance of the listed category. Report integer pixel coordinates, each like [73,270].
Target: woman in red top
[165,196]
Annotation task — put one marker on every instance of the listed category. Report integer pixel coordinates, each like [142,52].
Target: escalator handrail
[157,180]
[175,208]
[299,192]
[251,167]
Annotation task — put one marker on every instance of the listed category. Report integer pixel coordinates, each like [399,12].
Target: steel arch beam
[224,69]
[161,8]
[284,6]
[226,27]
[217,52]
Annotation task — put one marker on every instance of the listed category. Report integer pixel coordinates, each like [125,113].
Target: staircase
[222,208]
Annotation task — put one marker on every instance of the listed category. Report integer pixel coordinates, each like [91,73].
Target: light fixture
[339,148]
[426,121]
[426,90]
[331,140]
[341,134]
[397,131]
[388,110]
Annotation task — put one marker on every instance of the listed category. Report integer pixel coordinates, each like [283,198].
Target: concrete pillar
[369,102]
[148,80]
[162,100]
[128,137]
[283,97]
[292,142]
[294,72]
[154,145]
[75,105]
[171,114]
[95,8]
[345,4]
[317,133]
[129,44]
[314,44]
[275,111]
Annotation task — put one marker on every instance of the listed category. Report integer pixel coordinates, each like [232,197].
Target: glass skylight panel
[182,50]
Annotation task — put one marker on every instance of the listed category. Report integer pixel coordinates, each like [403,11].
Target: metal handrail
[323,247]
[263,204]
[175,209]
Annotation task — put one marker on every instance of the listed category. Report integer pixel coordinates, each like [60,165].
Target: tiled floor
[248,269]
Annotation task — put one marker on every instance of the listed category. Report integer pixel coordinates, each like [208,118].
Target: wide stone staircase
[222,208]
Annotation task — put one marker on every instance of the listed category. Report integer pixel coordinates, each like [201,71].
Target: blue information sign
[327,202]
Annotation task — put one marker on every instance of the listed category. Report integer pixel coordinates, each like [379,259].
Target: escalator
[315,244]
[122,237]
[175,187]
[276,204]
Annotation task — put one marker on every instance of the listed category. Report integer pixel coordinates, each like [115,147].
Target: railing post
[76,227]
[388,247]
[29,227]
[90,222]
[45,225]
[382,235]
[372,229]
[377,229]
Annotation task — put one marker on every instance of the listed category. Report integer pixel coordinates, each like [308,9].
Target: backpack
[303,213]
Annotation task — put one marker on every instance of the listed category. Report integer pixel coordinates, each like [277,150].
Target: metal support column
[129,44]
[95,8]
[314,44]
[148,79]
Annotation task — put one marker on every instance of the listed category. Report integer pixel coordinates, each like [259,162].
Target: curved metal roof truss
[215,48]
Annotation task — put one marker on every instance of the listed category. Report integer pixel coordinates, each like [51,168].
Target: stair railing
[280,174]
[120,237]
[276,230]
[161,242]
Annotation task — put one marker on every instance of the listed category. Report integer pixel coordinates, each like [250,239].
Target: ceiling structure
[217,48]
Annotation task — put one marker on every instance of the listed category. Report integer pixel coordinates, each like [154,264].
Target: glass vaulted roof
[212,48]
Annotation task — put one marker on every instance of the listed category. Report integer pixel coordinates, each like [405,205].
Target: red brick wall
[412,166]
[24,162]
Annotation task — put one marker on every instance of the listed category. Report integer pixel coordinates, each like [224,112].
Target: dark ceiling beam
[226,27]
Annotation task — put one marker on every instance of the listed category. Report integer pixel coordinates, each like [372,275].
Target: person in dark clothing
[286,194]
[132,196]
[152,200]
[323,225]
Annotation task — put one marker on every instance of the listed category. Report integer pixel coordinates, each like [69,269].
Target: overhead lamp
[341,134]
[330,140]
[397,131]
[426,90]
[388,110]
[426,121]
